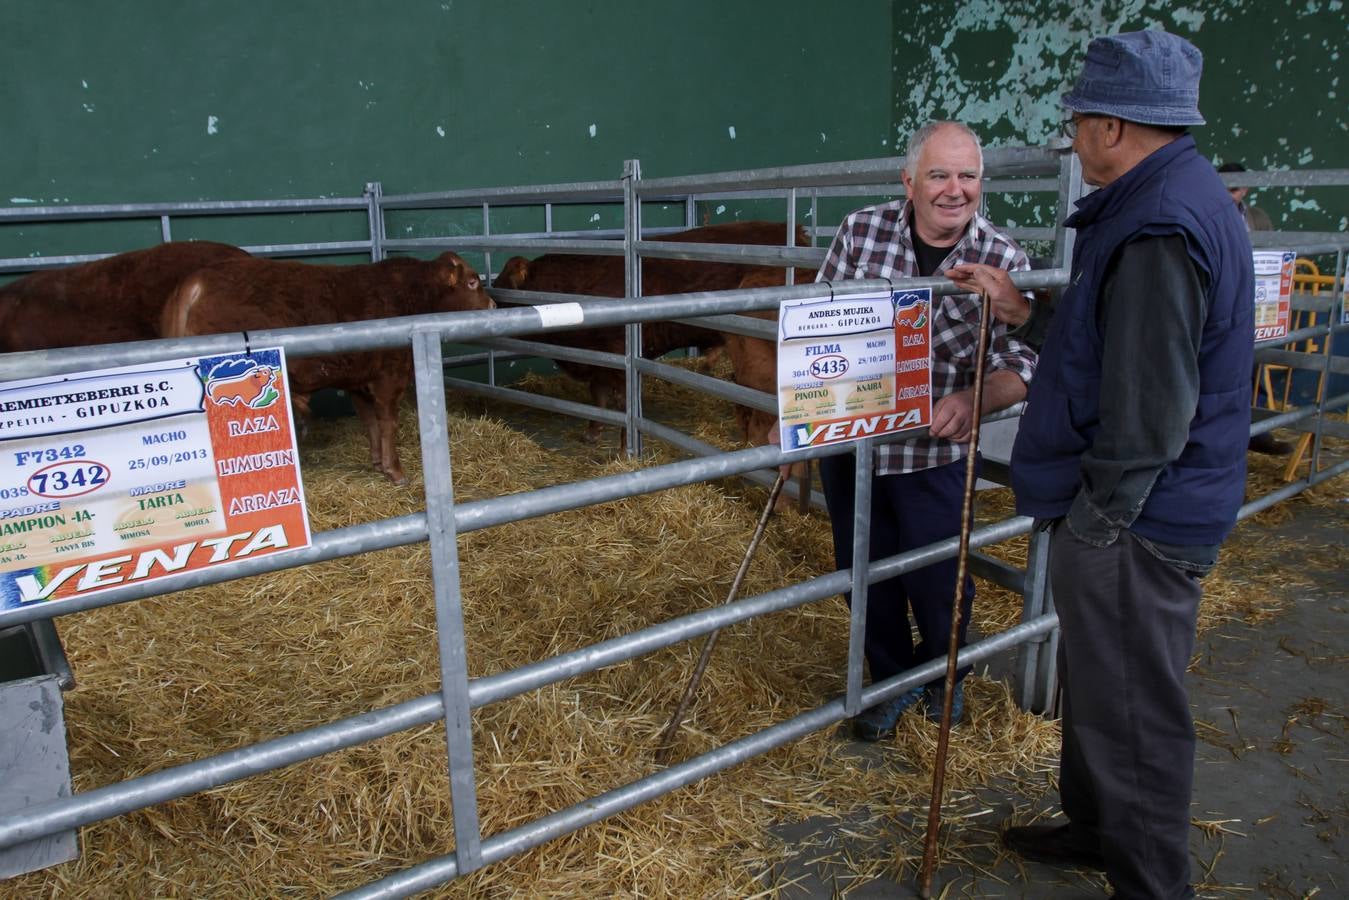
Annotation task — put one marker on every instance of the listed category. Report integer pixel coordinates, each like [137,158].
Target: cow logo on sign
[911,309]
[242,382]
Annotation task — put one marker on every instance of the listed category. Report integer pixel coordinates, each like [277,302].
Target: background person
[1256,219]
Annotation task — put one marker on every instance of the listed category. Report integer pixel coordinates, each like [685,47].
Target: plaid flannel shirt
[875,242]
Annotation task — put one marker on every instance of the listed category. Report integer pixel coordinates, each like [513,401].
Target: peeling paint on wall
[1000,66]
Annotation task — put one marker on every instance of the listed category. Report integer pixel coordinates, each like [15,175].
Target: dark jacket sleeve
[1151,317]
[1033,330]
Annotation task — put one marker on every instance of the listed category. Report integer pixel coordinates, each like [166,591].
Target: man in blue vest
[1132,451]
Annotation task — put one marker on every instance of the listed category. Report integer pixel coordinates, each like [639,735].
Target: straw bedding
[168,680]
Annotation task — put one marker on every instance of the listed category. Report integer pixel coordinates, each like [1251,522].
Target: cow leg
[801,472]
[743,417]
[601,396]
[381,420]
[386,418]
[606,392]
[299,404]
[757,425]
[365,408]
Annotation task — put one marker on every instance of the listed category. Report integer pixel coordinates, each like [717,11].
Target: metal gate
[1044,169]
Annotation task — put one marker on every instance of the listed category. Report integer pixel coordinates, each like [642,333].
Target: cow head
[465,287]
[514,275]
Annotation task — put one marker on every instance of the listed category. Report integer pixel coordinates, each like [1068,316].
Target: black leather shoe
[1265,442]
[1055,845]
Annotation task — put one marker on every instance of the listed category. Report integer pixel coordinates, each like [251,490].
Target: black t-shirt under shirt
[928,256]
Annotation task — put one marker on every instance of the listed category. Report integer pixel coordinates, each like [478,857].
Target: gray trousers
[1128,630]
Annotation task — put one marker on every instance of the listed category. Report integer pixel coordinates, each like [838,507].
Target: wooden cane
[667,736]
[962,557]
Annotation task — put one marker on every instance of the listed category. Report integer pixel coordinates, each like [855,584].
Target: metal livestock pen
[1048,170]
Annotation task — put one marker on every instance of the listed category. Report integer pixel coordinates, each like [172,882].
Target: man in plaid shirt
[916,496]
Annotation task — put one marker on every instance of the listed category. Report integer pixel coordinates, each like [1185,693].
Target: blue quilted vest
[1196,497]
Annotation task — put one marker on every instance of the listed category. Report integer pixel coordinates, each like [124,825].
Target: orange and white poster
[854,367]
[124,475]
[1273,293]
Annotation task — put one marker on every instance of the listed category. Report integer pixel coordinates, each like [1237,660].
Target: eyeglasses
[1069,126]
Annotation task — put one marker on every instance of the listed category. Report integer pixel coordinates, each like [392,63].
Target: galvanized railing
[443,520]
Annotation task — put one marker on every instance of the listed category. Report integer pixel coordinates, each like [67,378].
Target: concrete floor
[1271,775]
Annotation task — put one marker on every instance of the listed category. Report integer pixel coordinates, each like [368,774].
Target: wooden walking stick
[667,736]
[962,557]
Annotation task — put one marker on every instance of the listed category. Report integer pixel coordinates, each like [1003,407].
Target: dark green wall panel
[194,100]
[165,101]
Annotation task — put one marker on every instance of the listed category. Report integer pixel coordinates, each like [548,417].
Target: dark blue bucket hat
[1149,77]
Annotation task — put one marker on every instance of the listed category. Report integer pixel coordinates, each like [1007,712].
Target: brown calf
[107,301]
[251,294]
[754,362]
[602,276]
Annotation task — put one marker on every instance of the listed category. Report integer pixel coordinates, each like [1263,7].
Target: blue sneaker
[936,696]
[880,721]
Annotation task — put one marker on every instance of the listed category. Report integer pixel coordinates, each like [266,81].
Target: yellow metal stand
[1306,276]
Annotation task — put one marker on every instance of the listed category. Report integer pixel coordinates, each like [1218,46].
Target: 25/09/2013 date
[167,459]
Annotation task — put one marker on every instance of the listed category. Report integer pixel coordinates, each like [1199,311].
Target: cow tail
[173,321]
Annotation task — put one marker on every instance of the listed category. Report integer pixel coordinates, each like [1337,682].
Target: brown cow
[251,294]
[602,276]
[107,301]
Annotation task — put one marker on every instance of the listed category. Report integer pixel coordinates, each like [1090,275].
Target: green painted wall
[192,99]
[187,100]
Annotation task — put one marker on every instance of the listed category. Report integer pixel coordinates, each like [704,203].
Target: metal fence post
[1070,191]
[861,563]
[1038,675]
[432,422]
[814,215]
[1047,660]
[487,232]
[489,276]
[1333,317]
[374,197]
[1035,599]
[632,284]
